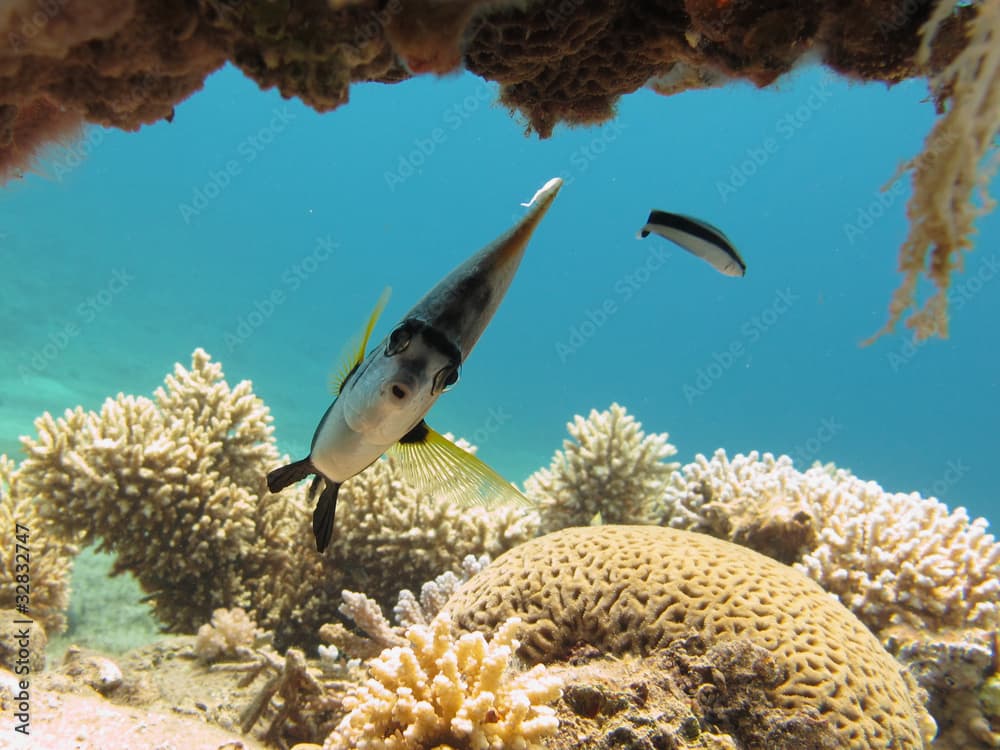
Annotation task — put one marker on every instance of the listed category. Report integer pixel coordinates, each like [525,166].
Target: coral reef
[445,692]
[611,468]
[173,486]
[954,165]
[889,557]
[633,589]
[31,549]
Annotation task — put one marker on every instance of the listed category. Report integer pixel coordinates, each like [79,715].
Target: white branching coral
[231,633]
[410,610]
[892,558]
[31,549]
[956,163]
[446,693]
[611,468]
[753,500]
[902,558]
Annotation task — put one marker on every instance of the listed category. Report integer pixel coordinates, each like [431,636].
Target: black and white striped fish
[698,238]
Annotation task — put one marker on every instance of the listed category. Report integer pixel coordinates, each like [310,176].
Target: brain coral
[633,589]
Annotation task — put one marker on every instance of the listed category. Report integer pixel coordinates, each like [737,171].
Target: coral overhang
[125,63]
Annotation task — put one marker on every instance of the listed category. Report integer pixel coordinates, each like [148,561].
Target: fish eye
[398,341]
[446,378]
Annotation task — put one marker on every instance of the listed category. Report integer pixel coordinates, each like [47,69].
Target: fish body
[697,237]
[382,400]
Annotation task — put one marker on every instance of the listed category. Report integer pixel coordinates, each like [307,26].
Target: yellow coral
[439,691]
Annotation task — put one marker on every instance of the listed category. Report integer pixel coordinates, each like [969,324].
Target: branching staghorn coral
[955,165]
[611,467]
[173,486]
[890,557]
[443,692]
[45,555]
[388,537]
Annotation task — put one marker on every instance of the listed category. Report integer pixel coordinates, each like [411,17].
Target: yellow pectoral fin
[435,465]
[355,353]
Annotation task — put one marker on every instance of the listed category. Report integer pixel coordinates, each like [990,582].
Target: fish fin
[289,474]
[355,353]
[435,465]
[326,506]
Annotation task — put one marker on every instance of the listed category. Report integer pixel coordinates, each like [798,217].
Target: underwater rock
[955,667]
[685,696]
[635,589]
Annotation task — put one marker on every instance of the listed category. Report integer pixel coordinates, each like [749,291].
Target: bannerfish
[382,399]
[697,237]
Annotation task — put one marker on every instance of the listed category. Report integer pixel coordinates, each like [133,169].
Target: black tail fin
[326,506]
[291,473]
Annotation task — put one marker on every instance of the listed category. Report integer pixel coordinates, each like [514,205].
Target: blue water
[263,232]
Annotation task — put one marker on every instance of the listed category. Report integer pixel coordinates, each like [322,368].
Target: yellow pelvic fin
[355,353]
[435,465]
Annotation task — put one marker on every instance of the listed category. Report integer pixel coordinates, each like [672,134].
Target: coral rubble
[633,589]
[611,468]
